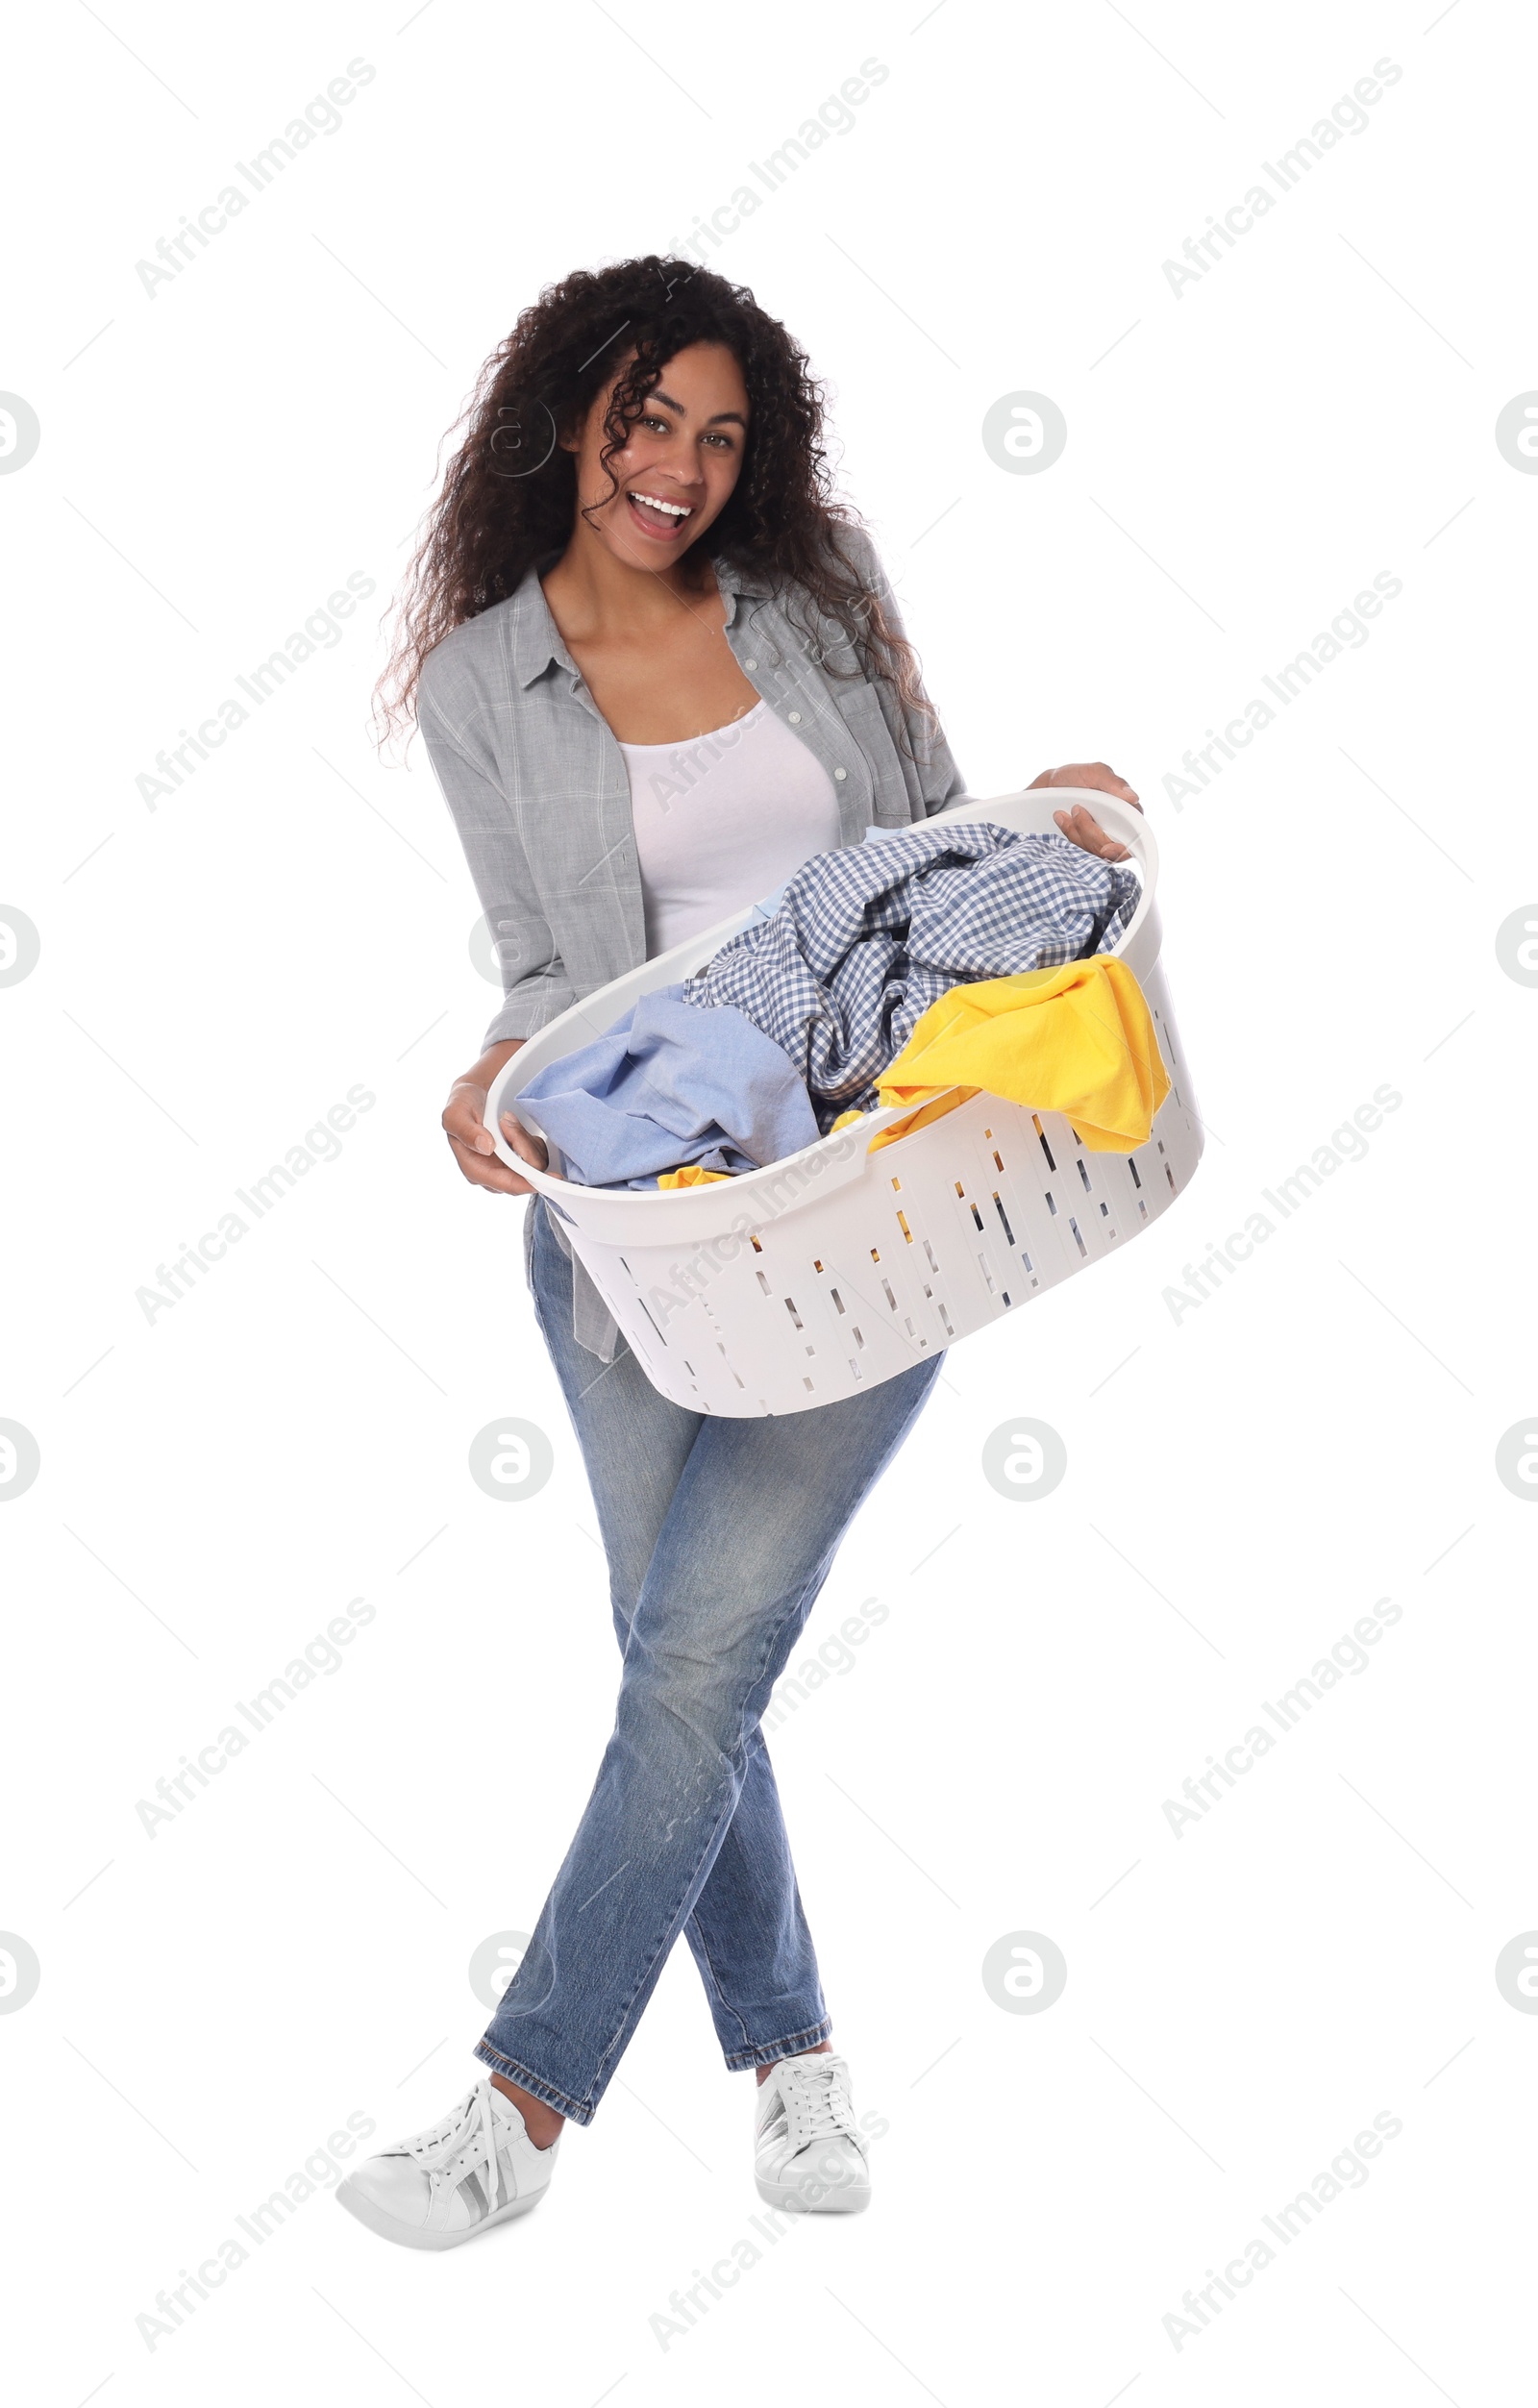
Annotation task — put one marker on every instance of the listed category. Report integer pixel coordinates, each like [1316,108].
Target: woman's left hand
[1079,825]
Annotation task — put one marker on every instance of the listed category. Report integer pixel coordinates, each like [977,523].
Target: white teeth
[674,509]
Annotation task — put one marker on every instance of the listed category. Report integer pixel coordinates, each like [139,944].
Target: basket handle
[544,1182]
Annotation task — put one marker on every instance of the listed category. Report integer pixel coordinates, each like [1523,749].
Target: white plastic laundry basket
[837,1268]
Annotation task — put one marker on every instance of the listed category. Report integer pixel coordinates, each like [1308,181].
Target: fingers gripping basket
[836,1268]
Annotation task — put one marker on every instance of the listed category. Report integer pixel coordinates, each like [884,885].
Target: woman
[656,670]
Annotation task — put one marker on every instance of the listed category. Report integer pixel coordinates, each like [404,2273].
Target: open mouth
[659,517]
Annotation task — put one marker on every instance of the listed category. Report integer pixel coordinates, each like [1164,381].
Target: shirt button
[795,718]
[750,664]
[841,773]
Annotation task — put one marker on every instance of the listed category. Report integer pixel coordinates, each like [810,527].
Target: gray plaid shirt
[538,789]
[540,796]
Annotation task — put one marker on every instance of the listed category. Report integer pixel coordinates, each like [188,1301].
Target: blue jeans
[719,1535]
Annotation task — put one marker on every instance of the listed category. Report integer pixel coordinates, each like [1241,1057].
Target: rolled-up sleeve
[534,983]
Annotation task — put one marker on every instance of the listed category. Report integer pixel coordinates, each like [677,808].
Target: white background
[1244,1481]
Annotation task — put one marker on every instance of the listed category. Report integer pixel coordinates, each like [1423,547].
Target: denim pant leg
[748,1537]
[748,1932]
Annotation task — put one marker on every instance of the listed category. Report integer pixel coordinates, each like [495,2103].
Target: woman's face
[678,469]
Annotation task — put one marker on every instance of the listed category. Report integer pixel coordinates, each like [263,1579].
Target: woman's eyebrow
[721,417]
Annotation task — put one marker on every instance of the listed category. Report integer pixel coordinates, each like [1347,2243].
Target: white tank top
[724,819]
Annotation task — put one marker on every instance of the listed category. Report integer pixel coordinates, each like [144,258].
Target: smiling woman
[565,395]
[657,669]
[659,674]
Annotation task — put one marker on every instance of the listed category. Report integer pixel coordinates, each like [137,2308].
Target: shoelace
[818,2106]
[472,2124]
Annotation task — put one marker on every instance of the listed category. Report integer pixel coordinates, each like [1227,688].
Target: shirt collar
[536,639]
[739,585]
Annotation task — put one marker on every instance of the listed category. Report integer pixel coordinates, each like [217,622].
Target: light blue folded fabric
[671,1083]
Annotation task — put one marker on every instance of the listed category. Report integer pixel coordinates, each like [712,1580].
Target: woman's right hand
[465,1127]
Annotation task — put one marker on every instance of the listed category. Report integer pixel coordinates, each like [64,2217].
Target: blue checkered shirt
[865,940]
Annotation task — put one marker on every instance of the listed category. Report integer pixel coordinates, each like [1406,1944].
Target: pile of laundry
[917,969]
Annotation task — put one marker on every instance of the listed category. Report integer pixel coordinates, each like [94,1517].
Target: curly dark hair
[509,492]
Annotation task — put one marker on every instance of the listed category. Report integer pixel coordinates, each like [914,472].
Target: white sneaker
[444,2185]
[809,2153]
